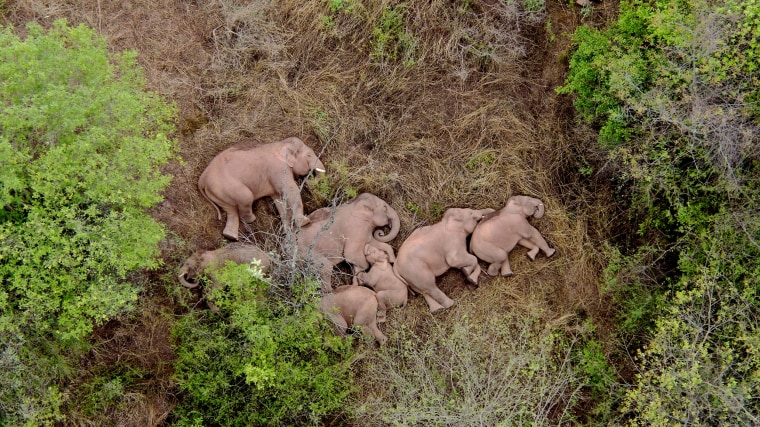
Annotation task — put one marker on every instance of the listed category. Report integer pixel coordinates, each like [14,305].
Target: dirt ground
[472,121]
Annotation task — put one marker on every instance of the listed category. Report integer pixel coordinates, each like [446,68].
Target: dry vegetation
[465,115]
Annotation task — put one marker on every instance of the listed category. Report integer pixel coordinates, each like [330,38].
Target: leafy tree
[267,358]
[673,89]
[80,148]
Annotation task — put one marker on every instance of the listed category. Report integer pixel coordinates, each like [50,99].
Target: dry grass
[473,121]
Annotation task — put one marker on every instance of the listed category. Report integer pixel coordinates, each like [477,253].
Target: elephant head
[526,206]
[377,212]
[192,268]
[240,253]
[300,157]
[456,219]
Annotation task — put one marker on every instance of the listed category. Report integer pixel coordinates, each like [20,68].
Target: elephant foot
[471,286]
[550,252]
[230,236]
[248,218]
[532,254]
[507,273]
[302,221]
[493,269]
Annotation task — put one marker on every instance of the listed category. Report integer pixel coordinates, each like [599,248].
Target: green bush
[266,358]
[80,147]
[668,86]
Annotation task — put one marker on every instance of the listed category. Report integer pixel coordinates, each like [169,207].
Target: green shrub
[80,148]
[390,40]
[667,85]
[266,358]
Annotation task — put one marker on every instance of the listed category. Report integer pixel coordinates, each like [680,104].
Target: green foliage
[390,40]
[667,85]
[702,364]
[335,184]
[79,154]
[264,359]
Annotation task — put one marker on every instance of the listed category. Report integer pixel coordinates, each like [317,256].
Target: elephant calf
[496,236]
[351,306]
[390,289]
[431,250]
[197,263]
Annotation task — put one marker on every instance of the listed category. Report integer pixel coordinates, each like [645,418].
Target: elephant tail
[202,188]
[400,277]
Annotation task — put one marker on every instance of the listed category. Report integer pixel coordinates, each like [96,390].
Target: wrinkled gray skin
[391,291]
[236,177]
[431,250]
[352,306]
[241,253]
[506,228]
[333,237]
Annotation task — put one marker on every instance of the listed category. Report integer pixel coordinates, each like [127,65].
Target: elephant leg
[466,262]
[233,222]
[506,270]
[325,268]
[382,306]
[538,240]
[339,324]
[291,199]
[532,248]
[377,333]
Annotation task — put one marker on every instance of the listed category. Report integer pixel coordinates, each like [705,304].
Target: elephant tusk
[320,170]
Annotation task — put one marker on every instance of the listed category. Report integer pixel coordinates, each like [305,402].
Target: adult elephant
[333,236]
[498,234]
[238,176]
[431,250]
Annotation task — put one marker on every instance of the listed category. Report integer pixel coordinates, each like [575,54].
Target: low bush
[267,358]
[498,372]
[80,149]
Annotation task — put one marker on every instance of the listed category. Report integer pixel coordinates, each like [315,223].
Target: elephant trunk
[394,222]
[183,279]
[540,209]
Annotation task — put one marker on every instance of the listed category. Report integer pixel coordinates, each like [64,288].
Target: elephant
[431,250]
[352,306]
[499,233]
[339,234]
[390,289]
[238,176]
[197,263]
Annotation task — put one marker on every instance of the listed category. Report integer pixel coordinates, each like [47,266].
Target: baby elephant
[500,232]
[391,291]
[351,306]
[197,263]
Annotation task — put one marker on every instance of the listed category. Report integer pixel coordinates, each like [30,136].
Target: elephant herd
[353,233]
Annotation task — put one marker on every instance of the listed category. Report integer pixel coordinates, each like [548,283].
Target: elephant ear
[453,220]
[363,210]
[289,151]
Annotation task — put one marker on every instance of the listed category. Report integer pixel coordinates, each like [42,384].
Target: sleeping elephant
[197,263]
[352,306]
[237,176]
[431,250]
[500,232]
[390,289]
[333,236]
